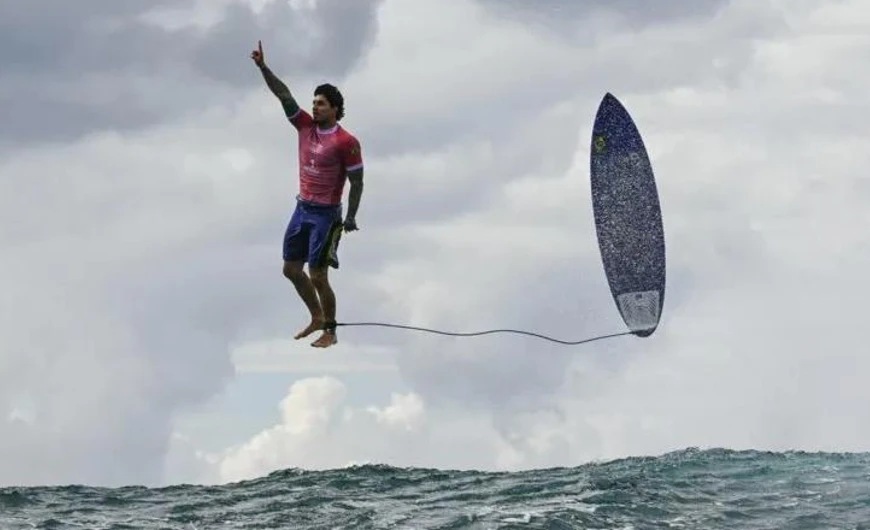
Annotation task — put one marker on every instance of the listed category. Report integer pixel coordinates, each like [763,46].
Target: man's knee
[319,277]
[293,271]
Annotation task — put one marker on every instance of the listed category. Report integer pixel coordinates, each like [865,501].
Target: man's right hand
[257,55]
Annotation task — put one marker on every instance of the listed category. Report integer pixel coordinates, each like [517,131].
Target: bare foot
[316,323]
[325,340]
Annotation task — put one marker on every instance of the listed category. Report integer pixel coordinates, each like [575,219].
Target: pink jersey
[325,157]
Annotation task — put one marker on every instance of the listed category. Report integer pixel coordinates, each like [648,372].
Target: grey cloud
[56,38]
[325,42]
[69,71]
[102,354]
[74,381]
[354,22]
[571,12]
[566,300]
[719,60]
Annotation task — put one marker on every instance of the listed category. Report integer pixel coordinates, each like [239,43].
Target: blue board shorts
[313,233]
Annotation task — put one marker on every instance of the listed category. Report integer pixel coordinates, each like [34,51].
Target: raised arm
[275,85]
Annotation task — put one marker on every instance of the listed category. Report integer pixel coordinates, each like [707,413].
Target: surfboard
[628,218]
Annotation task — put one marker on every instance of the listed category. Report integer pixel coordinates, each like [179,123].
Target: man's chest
[320,152]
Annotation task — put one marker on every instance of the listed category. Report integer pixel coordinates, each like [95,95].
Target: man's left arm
[354,164]
[355,177]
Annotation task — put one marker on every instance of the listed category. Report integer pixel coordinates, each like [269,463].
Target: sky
[148,175]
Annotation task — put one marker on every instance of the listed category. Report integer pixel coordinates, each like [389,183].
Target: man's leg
[296,248]
[305,287]
[320,280]
[324,254]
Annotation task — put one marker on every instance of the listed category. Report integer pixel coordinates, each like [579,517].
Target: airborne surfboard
[628,219]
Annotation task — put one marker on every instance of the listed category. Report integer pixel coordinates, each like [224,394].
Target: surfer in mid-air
[329,156]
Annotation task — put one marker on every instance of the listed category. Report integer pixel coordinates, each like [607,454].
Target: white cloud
[318,428]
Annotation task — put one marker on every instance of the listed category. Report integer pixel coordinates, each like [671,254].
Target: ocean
[689,489]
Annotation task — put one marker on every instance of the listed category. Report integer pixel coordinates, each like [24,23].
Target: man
[328,156]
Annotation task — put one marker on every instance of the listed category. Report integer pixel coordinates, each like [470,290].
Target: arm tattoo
[356,188]
[280,90]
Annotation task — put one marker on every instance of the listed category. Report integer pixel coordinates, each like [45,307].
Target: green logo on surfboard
[599,143]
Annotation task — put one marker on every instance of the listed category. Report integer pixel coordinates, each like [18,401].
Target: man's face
[321,110]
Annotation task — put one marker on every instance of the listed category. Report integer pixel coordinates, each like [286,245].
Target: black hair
[332,94]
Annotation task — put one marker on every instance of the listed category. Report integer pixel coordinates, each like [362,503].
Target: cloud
[316,421]
[69,72]
[572,16]
[763,196]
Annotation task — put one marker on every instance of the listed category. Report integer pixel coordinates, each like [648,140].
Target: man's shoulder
[346,136]
[349,147]
[301,119]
